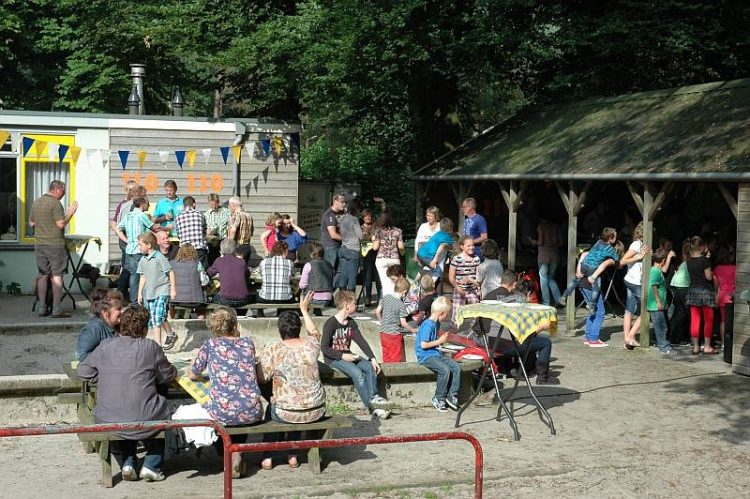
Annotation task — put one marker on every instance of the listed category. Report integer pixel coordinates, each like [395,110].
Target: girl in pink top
[725,272]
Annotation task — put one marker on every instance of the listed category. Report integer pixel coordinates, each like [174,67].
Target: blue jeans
[446,370]
[123,281]
[436,273]
[548,283]
[346,277]
[659,320]
[331,255]
[363,375]
[595,320]
[586,271]
[133,261]
[541,345]
[124,452]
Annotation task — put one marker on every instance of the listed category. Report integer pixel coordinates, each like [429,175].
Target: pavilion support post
[513,195]
[730,199]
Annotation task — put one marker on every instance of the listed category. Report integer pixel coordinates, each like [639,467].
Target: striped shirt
[276,272]
[190,226]
[243,223]
[218,221]
[134,224]
[466,268]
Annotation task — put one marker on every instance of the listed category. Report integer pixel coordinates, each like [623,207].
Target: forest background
[382,87]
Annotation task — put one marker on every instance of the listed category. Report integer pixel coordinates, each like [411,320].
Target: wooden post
[648,240]
[730,199]
[513,196]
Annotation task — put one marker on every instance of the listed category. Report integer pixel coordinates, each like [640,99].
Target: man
[48,218]
[330,237]
[540,345]
[168,207]
[132,225]
[190,226]
[217,219]
[240,228]
[132,189]
[475,225]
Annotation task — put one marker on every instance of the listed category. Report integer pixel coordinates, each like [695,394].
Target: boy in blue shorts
[428,355]
[155,287]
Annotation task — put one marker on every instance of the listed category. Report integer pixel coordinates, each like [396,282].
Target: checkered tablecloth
[198,389]
[522,319]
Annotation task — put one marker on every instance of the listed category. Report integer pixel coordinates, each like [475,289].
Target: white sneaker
[598,344]
[151,476]
[379,402]
[128,474]
[381,413]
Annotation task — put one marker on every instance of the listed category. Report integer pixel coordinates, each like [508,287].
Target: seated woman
[233,273]
[277,271]
[106,305]
[127,369]
[187,275]
[292,366]
[230,360]
[292,234]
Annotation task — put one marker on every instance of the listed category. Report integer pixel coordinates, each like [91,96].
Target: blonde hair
[401,285]
[222,321]
[343,298]
[441,305]
[638,231]
[426,283]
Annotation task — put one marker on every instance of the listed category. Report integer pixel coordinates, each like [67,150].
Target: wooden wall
[741,347]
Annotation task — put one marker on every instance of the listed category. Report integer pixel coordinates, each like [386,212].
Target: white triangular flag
[94,158]
[163,156]
[52,150]
[15,142]
[206,154]
[250,148]
[106,153]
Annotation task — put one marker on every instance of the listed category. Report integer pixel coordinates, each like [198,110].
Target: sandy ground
[629,424]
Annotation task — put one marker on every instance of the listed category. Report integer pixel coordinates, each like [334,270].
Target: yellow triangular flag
[39,146]
[278,144]
[190,157]
[236,151]
[74,153]
[3,137]
[141,157]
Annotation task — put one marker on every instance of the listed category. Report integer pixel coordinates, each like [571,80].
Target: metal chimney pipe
[134,101]
[138,73]
[177,102]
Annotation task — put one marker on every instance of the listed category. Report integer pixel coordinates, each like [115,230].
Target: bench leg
[313,455]
[106,459]
[84,416]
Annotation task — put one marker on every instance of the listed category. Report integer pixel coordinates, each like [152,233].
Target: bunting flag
[250,148]
[52,151]
[180,155]
[255,183]
[27,143]
[265,174]
[191,157]
[206,154]
[141,158]
[75,153]
[236,152]
[224,154]
[163,157]
[4,137]
[39,147]
[278,145]
[124,158]
[94,158]
[15,140]
[266,143]
[62,151]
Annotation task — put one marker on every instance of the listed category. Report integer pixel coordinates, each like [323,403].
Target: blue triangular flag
[180,155]
[27,143]
[62,152]
[224,154]
[266,146]
[124,158]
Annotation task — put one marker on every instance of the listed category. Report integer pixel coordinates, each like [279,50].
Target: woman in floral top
[292,366]
[230,359]
[389,245]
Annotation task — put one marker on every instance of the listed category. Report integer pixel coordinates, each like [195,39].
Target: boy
[338,333]
[156,286]
[432,253]
[424,307]
[592,264]
[657,302]
[426,347]
[392,314]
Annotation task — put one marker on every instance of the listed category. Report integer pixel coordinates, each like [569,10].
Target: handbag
[204,278]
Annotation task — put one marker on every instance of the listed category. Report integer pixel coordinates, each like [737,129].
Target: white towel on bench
[200,436]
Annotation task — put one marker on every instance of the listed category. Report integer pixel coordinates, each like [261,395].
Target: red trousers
[695,322]
[393,347]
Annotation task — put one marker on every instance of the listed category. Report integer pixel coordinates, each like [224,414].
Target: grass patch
[338,409]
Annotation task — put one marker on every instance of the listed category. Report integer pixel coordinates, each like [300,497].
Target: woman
[633,258]
[351,241]
[127,369]
[548,241]
[230,360]
[427,229]
[276,272]
[701,295]
[369,271]
[389,245]
[292,234]
[292,366]
[233,273]
[188,272]
[106,305]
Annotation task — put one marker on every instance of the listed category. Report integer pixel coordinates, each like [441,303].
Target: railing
[230,448]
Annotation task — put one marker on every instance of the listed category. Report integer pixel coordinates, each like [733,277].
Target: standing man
[330,237]
[240,228]
[217,219]
[475,226]
[132,225]
[190,226]
[168,207]
[48,218]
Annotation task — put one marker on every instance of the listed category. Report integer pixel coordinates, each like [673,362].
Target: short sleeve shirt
[427,332]
[165,206]
[392,309]
[696,268]
[155,269]
[46,212]
[656,278]
[389,238]
[134,224]
[474,227]
[328,220]
[428,249]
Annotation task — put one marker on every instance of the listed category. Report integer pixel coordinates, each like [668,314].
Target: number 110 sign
[195,183]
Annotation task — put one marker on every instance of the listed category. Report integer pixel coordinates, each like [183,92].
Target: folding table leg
[543,414]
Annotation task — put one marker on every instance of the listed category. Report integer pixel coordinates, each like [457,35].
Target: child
[432,253]
[268,238]
[392,314]
[447,370]
[463,275]
[338,333]
[592,264]
[491,270]
[396,272]
[317,276]
[156,286]
[424,307]
[656,305]
[725,271]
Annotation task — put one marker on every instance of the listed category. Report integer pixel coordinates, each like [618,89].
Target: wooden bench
[319,430]
[400,369]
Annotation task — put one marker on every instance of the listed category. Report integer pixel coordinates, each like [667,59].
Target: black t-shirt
[696,267]
[425,304]
[329,219]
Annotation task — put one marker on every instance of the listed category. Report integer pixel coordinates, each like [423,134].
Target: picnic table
[74,242]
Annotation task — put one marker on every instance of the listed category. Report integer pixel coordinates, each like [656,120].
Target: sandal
[710,351]
[696,352]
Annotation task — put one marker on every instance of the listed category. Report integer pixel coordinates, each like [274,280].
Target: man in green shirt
[48,218]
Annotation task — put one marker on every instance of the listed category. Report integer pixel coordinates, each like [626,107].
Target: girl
[491,270]
[106,305]
[725,271]
[268,238]
[633,258]
[463,275]
[389,245]
[701,296]
[189,277]
[317,276]
[679,330]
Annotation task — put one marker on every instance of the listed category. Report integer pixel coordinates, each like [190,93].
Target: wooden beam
[666,188]
[505,192]
[563,196]
[729,198]
[636,197]
[582,197]
[512,200]
[521,194]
